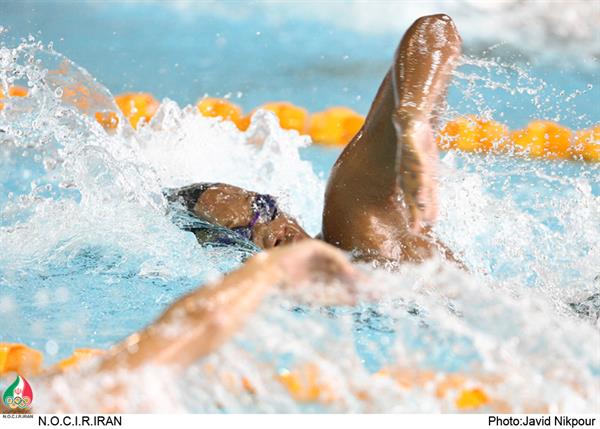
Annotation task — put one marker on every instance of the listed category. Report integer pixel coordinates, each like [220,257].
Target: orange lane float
[290,117]
[14,91]
[77,357]
[108,120]
[473,134]
[305,383]
[19,358]
[543,139]
[587,144]
[470,399]
[335,126]
[220,108]
[25,360]
[449,385]
[540,139]
[136,107]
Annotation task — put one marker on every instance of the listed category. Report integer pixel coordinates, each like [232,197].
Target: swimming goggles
[264,210]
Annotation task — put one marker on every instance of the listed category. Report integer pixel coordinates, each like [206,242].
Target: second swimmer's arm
[201,321]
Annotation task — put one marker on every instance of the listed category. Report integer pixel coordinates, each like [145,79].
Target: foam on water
[87,231]
[434,318]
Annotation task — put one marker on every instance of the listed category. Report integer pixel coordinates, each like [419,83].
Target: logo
[18,395]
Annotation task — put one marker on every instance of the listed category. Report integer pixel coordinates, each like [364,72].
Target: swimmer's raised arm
[201,321]
[420,74]
[381,197]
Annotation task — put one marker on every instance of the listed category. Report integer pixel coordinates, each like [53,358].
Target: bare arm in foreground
[201,321]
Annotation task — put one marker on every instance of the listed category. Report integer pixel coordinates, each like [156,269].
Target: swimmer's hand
[417,165]
[315,262]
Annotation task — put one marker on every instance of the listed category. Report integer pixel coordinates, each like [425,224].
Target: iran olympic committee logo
[18,396]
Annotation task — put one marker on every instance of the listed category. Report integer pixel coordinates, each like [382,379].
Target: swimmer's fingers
[324,262]
[330,294]
[312,261]
[330,264]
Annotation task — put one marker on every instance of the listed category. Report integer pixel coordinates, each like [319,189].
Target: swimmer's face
[232,207]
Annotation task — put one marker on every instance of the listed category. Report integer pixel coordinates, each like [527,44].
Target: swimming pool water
[264,52]
[90,254]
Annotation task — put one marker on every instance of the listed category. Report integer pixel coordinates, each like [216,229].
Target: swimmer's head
[253,215]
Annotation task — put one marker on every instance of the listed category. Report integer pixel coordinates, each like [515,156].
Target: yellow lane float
[136,106]
[290,117]
[220,108]
[14,91]
[335,126]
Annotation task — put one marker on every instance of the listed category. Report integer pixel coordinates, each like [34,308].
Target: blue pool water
[90,253]
[256,54]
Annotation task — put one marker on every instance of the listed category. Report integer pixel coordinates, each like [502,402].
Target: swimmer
[381,198]
[255,217]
